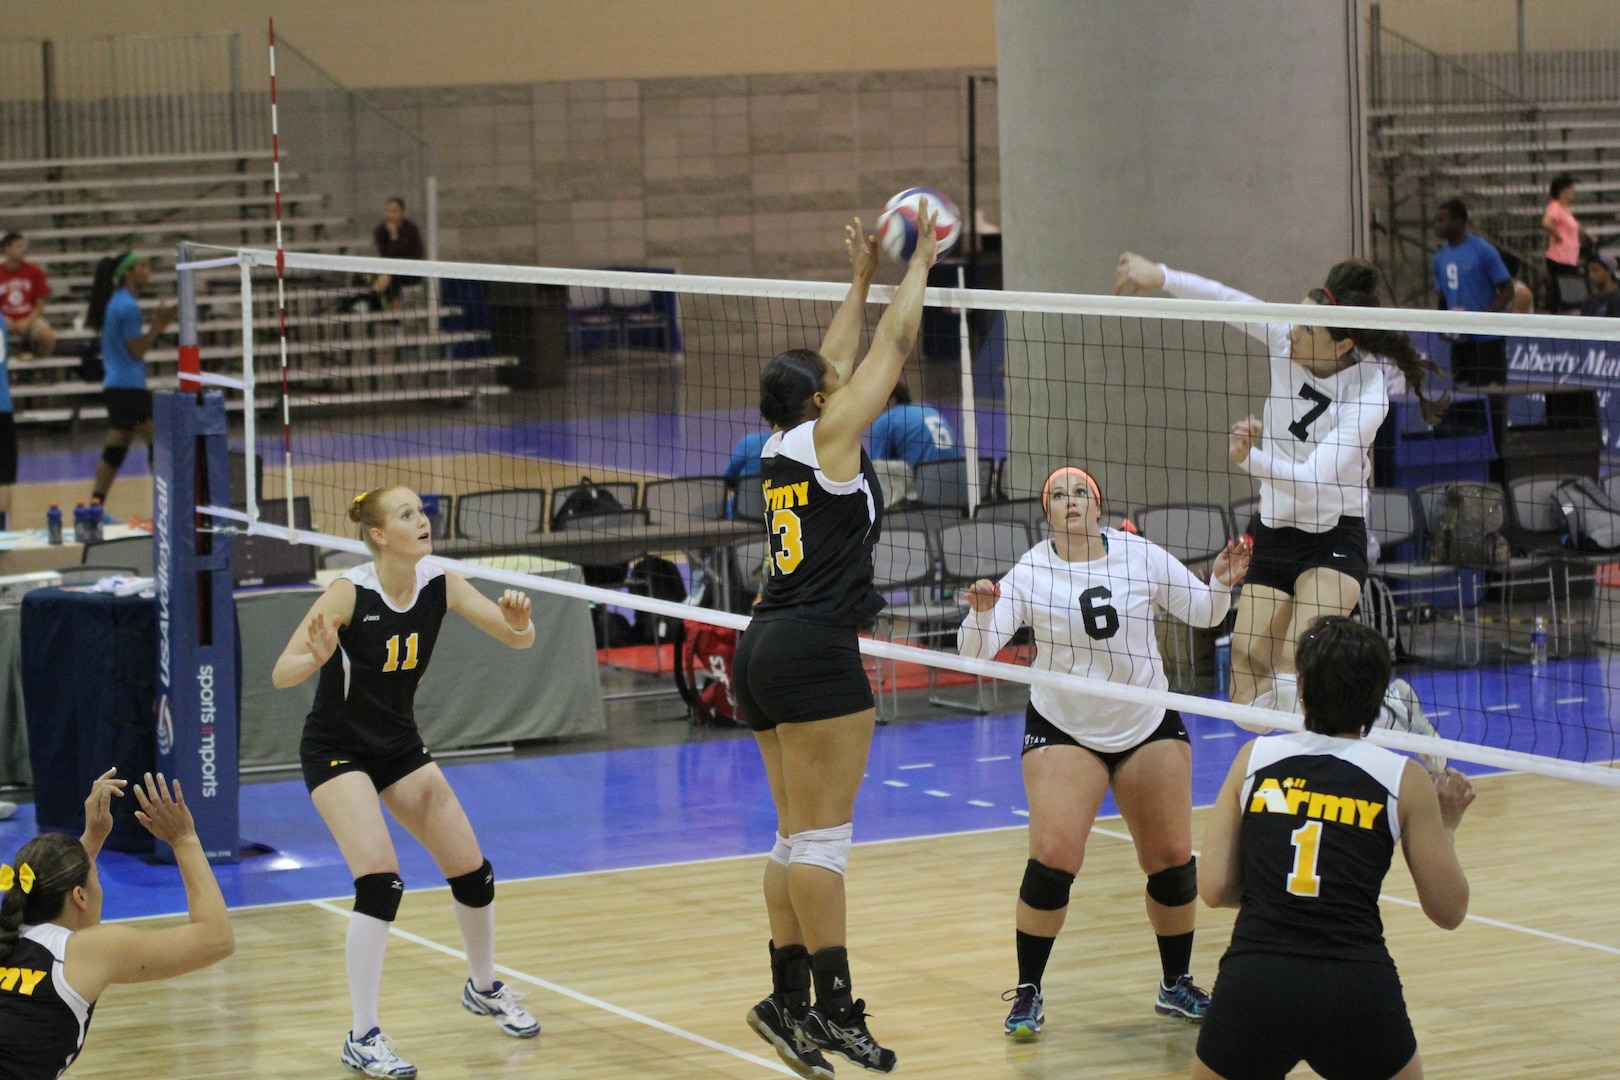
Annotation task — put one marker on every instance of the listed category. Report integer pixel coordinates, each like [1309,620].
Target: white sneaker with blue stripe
[373,1054]
[501,1003]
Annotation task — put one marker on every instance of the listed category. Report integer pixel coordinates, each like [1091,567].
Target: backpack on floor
[1469,532]
[1593,519]
[659,579]
[703,659]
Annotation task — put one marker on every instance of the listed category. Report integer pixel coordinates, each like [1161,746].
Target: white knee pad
[782,850]
[826,848]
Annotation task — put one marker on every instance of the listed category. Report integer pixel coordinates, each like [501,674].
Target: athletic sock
[1033,952]
[834,998]
[790,978]
[1287,693]
[1175,956]
[363,956]
[478,938]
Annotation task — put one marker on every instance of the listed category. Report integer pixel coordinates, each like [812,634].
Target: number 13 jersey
[366,696]
[821,534]
[1095,619]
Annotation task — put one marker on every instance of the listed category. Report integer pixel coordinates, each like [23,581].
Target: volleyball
[897,225]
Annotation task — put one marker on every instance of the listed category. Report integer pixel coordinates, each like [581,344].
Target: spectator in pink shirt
[23,290]
[1565,237]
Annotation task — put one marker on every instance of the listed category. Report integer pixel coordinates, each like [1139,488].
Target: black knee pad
[1044,888]
[114,455]
[1175,886]
[476,889]
[378,895]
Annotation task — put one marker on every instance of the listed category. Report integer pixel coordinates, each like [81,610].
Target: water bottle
[1538,642]
[81,523]
[53,524]
[98,515]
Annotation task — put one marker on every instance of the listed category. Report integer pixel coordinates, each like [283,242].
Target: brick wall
[738,175]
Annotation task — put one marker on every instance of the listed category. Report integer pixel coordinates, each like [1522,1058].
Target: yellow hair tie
[23,876]
[360,498]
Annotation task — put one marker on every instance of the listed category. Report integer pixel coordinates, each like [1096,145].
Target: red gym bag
[703,656]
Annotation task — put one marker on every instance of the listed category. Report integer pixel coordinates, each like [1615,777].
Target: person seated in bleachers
[1600,280]
[912,433]
[396,237]
[23,291]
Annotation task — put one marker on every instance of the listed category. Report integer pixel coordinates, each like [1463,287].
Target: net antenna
[281,316]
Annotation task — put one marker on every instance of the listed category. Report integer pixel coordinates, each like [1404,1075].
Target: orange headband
[1046,489]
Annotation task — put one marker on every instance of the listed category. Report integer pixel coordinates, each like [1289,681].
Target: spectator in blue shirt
[115,309]
[744,461]
[912,433]
[1469,275]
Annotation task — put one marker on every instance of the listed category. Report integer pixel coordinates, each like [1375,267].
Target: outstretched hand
[1137,276]
[515,609]
[98,820]
[323,639]
[1245,433]
[863,253]
[1232,564]
[927,235]
[165,816]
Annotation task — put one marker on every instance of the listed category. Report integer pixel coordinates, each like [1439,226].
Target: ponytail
[102,288]
[37,883]
[1356,283]
[366,510]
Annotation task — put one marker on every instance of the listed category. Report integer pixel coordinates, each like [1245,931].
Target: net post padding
[885,650]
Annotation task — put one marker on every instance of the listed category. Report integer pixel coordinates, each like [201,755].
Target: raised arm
[843,335]
[995,612]
[316,638]
[1338,455]
[1431,810]
[864,397]
[98,821]
[507,620]
[1220,862]
[110,953]
[1135,275]
[1183,594]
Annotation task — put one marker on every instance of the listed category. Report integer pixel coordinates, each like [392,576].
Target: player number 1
[393,653]
[1307,841]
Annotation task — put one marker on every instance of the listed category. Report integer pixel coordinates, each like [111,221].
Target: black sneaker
[771,1022]
[850,1039]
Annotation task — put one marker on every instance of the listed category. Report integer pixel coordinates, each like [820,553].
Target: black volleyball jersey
[1320,823]
[821,535]
[365,700]
[43,1020]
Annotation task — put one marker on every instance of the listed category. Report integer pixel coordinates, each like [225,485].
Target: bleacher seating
[76,211]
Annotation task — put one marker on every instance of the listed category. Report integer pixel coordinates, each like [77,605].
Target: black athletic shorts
[125,407]
[322,761]
[1040,732]
[1345,1018]
[791,672]
[8,449]
[1282,555]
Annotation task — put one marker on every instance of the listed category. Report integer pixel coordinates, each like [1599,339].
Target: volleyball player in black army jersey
[370,636]
[1299,840]
[799,678]
[56,955]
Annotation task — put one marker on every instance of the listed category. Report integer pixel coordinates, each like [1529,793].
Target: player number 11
[393,653]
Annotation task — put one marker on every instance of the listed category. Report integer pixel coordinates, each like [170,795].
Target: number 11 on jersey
[393,663]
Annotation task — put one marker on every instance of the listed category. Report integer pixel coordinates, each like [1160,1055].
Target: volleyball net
[595,417]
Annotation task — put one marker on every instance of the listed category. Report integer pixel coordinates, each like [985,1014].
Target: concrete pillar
[1218,137]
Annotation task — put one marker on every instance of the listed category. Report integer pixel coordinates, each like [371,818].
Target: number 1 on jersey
[393,654]
[1307,841]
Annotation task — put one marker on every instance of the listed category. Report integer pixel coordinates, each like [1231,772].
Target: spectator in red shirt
[396,237]
[23,291]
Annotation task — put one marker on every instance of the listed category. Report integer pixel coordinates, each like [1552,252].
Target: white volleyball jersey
[1313,459]
[1095,619]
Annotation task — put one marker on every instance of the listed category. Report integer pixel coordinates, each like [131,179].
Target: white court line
[998,757]
[1502,708]
[1022,813]
[1482,919]
[1570,700]
[979,802]
[895,783]
[584,999]
[937,794]
[921,765]
[1220,735]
